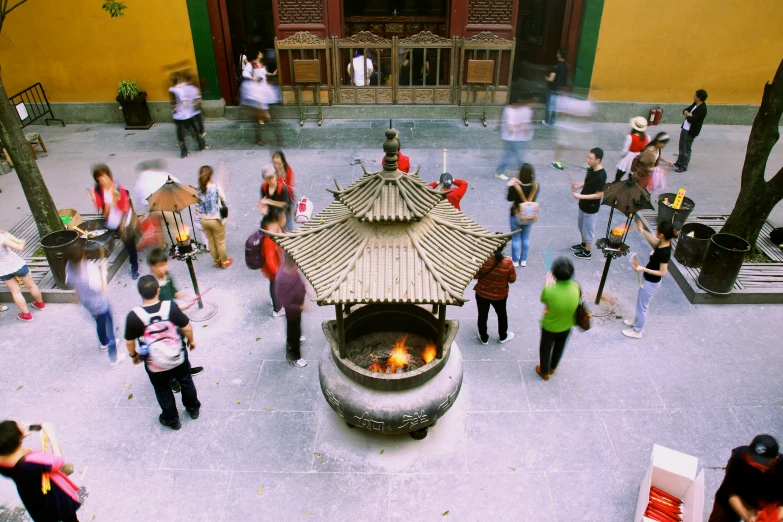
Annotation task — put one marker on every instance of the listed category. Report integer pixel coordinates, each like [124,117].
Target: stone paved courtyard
[703,380]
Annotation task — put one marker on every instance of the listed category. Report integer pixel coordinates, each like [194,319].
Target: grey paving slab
[307,496]
[708,434]
[343,449]
[756,420]
[505,392]
[134,494]
[219,440]
[709,382]
[595,496]
[284,387]
[535,442]
[588,384]
[474,496]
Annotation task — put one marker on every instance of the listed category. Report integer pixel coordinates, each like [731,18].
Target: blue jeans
[105,328]
[519,242]
[646,293]
[550,106]
[513,156]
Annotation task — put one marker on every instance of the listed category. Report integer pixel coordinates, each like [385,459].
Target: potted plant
[133,103]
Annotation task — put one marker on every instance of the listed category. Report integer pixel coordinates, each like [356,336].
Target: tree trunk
[38,198]
[758,197]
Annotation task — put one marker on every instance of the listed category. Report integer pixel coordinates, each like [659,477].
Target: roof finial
[390,147]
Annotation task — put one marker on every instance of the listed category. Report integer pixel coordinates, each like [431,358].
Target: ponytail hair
[499,253]
[667,230]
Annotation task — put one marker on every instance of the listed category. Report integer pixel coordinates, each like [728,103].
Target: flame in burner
[183,233]
[619,231]
[429,353]
[399,356]
[376,366]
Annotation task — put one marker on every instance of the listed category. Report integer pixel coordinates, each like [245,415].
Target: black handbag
[223,210]
[582,316]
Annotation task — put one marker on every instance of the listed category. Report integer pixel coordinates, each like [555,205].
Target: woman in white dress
[635,143]
[256,93]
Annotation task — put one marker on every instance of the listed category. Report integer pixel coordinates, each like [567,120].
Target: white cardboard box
[674,473]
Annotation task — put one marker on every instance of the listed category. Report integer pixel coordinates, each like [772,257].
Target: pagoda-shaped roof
[389,238]
[389,195]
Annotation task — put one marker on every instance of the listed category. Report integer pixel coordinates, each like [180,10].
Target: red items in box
[663,507]
[672,489]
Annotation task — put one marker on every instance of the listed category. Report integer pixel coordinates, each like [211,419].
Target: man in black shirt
[164,316]
[694,114]
[754,478]
[589,202]
[557,79]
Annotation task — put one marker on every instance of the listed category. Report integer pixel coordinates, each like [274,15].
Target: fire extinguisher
[656,113]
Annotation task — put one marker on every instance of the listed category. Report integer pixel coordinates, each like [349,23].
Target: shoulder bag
[582,316]
[528,209]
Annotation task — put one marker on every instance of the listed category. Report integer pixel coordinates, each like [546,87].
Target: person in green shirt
[560,296]
[158,262]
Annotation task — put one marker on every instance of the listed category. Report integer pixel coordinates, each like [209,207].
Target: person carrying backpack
[154,325]
[523,193]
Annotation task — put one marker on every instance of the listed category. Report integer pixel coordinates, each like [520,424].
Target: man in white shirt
[186,111]
[357,68]
[516,130]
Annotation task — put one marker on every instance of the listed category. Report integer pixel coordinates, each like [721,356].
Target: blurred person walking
[516,130]
[491,288]
[14,272]
[256,93]
[635,143]
[210,211]
[655,270]
[589,202]
[91,282]
[113,200]
[274,221]
[561,296]
[521,192]
[41,478]
[557,80]
[157,326]
[648,160]
[290,294]
[695,115]
[186,111]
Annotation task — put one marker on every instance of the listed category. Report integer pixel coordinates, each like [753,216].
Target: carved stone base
[391,412]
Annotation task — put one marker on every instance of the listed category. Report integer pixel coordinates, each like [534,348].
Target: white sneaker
[633,334]
[628,322]
[3,308]
[479,338]
[104,347]
[509,336]
[301,338]
[501,176]
[120,359]
[523,263]
[300,363]
[280,313]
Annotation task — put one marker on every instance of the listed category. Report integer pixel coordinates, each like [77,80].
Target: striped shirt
[494,282]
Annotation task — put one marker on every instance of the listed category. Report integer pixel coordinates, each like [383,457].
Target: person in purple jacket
[290,294]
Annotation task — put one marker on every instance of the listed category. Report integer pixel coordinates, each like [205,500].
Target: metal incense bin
[395,253]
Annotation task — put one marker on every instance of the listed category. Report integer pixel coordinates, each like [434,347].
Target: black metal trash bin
[56,247]
[672,215]
[722,263]
[690,251]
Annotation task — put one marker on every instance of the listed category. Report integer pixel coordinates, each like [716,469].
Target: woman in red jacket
[283,170]
[274,221]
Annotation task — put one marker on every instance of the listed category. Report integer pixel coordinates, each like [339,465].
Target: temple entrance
[401,18]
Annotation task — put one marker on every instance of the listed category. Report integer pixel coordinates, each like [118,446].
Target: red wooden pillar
[221,42]
[572,28]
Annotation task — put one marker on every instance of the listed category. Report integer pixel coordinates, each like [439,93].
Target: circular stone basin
[391,411]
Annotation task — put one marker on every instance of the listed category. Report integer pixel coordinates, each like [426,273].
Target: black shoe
[194,414]
[577,248]
[681,169]
[583,254]
[174,426]
[134,274]
[175,387]
[195,370]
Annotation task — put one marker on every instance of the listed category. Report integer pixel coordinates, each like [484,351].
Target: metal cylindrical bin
[690,251]
[722,263]
[675,216]
[56,247]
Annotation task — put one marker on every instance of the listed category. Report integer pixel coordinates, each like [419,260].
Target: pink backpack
[161,337]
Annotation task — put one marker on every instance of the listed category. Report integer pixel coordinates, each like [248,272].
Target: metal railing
[32,104]
[421,69]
